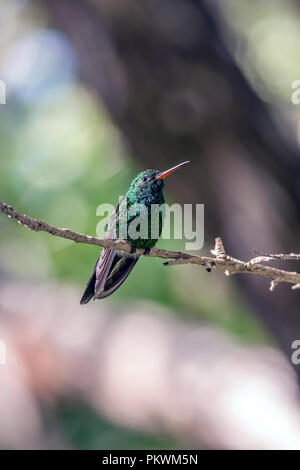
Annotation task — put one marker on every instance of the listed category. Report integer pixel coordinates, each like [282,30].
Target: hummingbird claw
[207,267]
[147,251]
[132,249]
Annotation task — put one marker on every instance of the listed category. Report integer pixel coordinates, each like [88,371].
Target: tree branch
[283,256]
[220,260]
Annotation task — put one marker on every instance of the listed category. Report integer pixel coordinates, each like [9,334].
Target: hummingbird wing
[89,291]
[119,271]
[99,275]
[111,268]
[109,273]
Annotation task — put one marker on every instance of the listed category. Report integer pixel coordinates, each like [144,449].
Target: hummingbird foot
[147,251]
[132,249]
[208,266]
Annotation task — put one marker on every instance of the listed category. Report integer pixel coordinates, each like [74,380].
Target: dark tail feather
[104,264]
[90,289]
[118,276]
[104,267]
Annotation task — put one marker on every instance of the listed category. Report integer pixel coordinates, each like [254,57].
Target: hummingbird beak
[164,174]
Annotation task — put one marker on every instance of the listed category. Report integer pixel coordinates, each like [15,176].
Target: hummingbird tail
[104,264]
[117,275]
[89,291]
[90,287]
[110,271]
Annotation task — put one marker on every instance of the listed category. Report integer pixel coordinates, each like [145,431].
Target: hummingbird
[112,266]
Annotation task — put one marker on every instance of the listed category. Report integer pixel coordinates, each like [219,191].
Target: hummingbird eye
[144,179]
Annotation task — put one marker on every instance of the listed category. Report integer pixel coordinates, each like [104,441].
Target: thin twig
[283,256]
[220,260]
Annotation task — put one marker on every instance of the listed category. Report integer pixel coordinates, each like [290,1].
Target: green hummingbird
[113,266]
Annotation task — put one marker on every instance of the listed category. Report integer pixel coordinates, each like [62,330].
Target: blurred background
[96,91]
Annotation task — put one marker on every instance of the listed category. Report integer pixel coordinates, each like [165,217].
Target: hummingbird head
[148,184]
